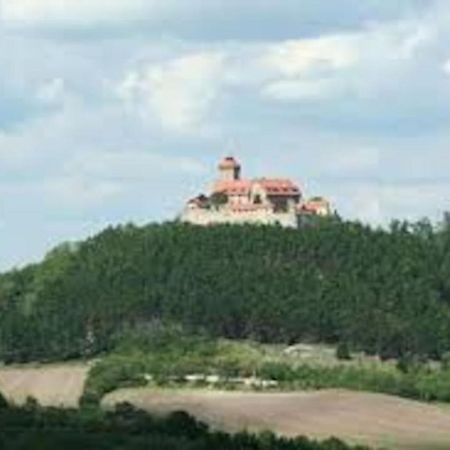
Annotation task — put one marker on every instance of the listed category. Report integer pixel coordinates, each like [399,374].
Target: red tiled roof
[233,187]
[278,186]
[315,205]
[273,187]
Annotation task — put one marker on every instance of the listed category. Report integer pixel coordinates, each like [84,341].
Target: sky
[117,111]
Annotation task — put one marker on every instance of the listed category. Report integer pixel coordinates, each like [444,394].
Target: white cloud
[303,57]
[52,91]
[27,12]
[179,93]
[401,200]
[294,90]
[67,162]
[79,192]
[379,203]
[363,202]
[417,38]
[225,19]
[37,145]
[353,161]
[132,166]
[69,150]
[354,65]
[446,67]
[181,90]
[12,157]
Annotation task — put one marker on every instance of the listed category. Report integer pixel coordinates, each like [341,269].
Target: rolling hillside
[384,292]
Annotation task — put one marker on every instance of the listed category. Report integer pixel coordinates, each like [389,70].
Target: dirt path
[50,385]
[365,418]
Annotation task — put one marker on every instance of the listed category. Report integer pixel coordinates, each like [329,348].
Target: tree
[261,282]
[343,351]
[3,402]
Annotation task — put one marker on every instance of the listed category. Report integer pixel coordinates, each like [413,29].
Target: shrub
[3,402]
[343,352]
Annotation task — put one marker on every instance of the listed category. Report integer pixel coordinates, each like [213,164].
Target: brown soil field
[50,385]
[357,417]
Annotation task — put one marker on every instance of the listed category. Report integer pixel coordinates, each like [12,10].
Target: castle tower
[229,169]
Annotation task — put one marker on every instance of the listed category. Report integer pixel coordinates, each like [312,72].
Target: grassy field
[311,391]
[356,417]
[52,385]
[170,358]
[63,384]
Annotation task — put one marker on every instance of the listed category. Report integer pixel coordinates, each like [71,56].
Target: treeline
[386,292]
[34,427]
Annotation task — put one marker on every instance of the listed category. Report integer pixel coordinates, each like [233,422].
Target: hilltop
[385,292]
[237,200]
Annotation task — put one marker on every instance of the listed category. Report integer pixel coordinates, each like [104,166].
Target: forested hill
[387,292]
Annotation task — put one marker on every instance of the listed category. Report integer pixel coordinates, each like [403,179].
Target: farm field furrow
[357,417]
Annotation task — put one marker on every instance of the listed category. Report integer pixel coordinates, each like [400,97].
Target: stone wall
[199,216]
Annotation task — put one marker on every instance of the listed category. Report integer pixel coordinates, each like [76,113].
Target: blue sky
[117,110]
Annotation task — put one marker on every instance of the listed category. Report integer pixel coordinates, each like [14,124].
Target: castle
[267,201]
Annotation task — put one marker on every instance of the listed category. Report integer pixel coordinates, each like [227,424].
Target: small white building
[261,200]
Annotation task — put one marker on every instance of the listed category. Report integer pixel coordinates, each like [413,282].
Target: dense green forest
[34,427]
[386,292]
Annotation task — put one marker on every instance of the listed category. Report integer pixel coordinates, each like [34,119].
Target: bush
[168,363]
[127,427]
[110,374]
[3,402]
[343,352]
[280,372]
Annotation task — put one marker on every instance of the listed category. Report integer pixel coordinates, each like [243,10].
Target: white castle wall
[207,217]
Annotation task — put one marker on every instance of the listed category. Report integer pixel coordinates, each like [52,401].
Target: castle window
[280,205]
[257,199]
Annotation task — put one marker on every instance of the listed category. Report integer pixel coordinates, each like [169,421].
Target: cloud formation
[178,93]
[198,19]
[117,111]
